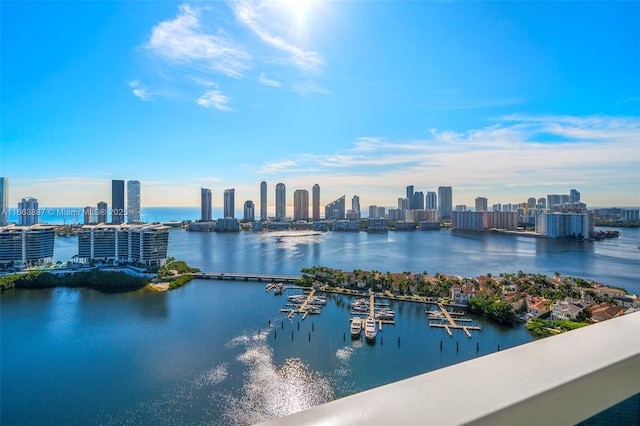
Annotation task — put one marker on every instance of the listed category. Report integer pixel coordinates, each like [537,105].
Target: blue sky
[505,100]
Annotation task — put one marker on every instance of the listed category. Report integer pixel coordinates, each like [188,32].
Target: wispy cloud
[310,87]
[186,41]
[255,15]
[215,99]
[140,91]
[266,81]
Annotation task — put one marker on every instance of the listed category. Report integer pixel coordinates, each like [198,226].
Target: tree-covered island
[570,302]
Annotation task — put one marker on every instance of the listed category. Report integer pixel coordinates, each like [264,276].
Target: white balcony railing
[559,380]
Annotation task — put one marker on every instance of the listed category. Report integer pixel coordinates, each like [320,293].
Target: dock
[452,323]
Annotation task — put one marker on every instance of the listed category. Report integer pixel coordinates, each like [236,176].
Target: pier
[452,323]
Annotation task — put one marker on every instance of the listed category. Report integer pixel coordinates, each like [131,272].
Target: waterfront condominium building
[445,201]
[25,245]
[133,201]
[117,201]
[263,201]
[88,215]
[229,203]
[335,210]
[432,201]
[355,206]
[145,244]
[315,203]
[281,201]
[249,211]
[4,201]
[409,197]
[574,196]
[373,211]
[301,204]
[417,202]
[482,204]
[205,205]
[28,213]
[101,212]
[564,225]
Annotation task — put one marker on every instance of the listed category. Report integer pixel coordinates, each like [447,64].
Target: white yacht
[370,329]
[356,327]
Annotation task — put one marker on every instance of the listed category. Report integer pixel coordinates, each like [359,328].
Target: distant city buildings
[355,207]
[301,205]
[263,201]
[88,215]
[249,211]
[101,212]
[206,204]
[25,245]
[335,210]
[481,204]
[281,201]
[315,197]
[133,201]
[4,201]
[432,200]
[28,212]
[117,202]
[229,203]
[445,202]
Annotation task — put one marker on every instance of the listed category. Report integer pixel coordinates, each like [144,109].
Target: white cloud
[140,91]
[185,40]
[310,87]
[214,98]
[255,15]
[266,81]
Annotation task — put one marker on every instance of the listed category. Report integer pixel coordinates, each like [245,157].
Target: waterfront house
[515,299]
[567,309]
[605,311]
[537,306]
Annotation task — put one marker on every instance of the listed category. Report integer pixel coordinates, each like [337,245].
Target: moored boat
[356,327]
[370,329]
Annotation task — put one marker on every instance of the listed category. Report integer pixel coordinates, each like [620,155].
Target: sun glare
[298,9]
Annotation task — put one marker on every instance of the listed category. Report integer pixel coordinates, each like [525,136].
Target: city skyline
[499,100]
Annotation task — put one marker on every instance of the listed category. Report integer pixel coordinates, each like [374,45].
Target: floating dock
[453,324]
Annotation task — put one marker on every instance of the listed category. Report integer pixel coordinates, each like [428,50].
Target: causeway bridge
[286,279]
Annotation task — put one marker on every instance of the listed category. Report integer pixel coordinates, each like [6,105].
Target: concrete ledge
[562,379]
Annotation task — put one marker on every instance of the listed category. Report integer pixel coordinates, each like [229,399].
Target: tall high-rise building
[28,213]
[335,210]
[417,202]
[229,203]
[281,201]
[263,200]
[117,201]
[301,204]
[432,201]
[205,205]
[4,201]
[315,203]
[133,201]
[482,204]
[373,211]
[445,201]
[409,197]
[88,215]
[542,203]
[355,205]
[101,212]
[249,211]
[531,202]
[574,196]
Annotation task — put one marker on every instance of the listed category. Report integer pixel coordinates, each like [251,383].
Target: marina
[304,304]
[444,315]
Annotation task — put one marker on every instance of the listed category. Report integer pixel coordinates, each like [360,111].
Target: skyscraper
[4,201]
[229,203]
[417,202]
[445,201]
[574,196]
[355,205]
[301,204]
[263,201]
[432,201]
[410,197]
[205,204]
[481,204]
[315,202]
[117,201]
[88,215]
[335,210]
[133,201]
[249,211]
[28,211]
[102,212]
[281,201]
